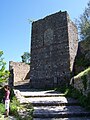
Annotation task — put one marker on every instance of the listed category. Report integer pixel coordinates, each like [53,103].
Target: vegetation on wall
[85,72]
[74,93]
[83,76]
[81,61]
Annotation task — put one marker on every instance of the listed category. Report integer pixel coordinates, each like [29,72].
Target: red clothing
[7,94]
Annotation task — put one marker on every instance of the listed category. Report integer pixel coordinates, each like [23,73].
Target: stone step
[60,112]
[51,100]
[49,93]
[72,118]
[52,105]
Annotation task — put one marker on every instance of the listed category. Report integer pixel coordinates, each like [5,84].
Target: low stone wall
[82,82]
[19,72]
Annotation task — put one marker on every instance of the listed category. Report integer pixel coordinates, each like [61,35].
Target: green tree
[84,23]
[26,57]
[4,74]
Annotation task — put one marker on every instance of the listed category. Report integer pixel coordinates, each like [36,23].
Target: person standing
[7,100]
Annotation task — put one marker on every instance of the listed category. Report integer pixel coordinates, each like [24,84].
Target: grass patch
[2,108]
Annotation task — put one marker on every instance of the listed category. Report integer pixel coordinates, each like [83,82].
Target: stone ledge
[61,115]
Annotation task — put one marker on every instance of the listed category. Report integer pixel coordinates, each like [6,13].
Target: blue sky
[15,30]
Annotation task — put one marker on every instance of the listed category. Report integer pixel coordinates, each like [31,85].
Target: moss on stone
[84,80]
[85,72]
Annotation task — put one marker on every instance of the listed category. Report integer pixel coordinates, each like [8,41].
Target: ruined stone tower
[54,45]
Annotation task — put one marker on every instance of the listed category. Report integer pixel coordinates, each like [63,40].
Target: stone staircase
[52,105]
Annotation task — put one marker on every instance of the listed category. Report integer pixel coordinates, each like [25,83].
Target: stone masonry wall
[51,51]
[20,72]
[73,41]
[82,60]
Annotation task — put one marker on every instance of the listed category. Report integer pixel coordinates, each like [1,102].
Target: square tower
[54,43]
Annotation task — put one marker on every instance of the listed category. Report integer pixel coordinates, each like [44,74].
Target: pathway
[52,105]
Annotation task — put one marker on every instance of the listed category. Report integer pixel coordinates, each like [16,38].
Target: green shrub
[15,107]
[61,89]
[83,100]
[14,104]
[2,108]
[29,110]
[74,93]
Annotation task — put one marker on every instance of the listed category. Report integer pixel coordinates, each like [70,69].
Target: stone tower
[54,44]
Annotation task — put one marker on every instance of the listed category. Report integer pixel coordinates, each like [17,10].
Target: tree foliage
[84,23]
[26,57]
[4,74]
